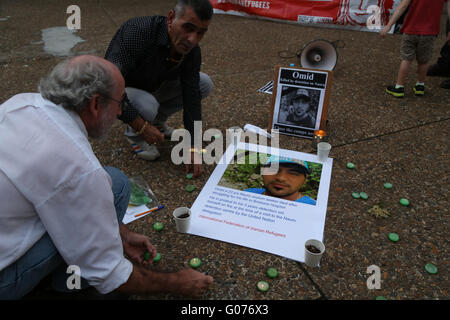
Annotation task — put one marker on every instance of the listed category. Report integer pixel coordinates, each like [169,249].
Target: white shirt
[51,181]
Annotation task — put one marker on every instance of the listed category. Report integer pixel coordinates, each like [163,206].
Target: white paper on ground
[132,211]
[257,221]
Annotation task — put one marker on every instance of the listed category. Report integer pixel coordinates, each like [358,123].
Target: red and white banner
[363,15]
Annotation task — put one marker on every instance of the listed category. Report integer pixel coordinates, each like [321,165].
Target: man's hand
[197,169]
[135,245]
[148,132]
[395,16]
[192,283]
[152,134]
[187,282]
[195,165]
[385,31]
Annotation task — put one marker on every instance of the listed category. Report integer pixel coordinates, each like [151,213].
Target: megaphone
[319,54]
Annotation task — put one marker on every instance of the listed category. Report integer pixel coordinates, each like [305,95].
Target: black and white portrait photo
[300,101]
[298,106]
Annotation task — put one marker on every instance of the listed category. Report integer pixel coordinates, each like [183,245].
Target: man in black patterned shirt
[160,59]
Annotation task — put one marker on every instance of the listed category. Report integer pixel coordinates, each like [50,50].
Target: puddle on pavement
[59,41]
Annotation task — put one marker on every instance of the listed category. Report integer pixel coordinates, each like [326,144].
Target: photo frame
[300,100]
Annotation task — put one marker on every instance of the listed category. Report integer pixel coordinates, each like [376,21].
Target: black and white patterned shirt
[140,49]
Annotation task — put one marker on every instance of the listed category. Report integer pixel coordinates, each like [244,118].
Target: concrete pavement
[403,141]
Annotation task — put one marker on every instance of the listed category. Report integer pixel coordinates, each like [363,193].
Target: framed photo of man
[300,100]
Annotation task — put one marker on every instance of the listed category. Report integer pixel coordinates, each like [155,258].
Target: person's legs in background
[398,90]
[442,67]
[424,53]
[407,54]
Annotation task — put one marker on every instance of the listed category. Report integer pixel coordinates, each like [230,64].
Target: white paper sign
[259,221]
[132,211]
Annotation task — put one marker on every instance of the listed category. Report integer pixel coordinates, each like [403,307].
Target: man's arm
[190,81]
[135,245]
[190,89]
[397,14]
[186,282]
[126,49]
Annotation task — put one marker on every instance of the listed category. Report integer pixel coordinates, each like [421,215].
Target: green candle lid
[387,185]
[404,202]
[195,262]
[262,286]
[394,237]
[146,255]
[157,257]
[431,268]
[350,165]
[158,226]
[356,195]
[363,195]
[272,272]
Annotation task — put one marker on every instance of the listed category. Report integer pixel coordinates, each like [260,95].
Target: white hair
[73,83]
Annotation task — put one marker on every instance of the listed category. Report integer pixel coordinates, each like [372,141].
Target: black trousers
[444,59]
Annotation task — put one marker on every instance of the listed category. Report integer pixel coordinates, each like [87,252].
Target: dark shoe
[437,70]
[396,92]
[419,90]
[445,84]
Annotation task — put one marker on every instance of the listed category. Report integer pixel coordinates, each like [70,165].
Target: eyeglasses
[122,103]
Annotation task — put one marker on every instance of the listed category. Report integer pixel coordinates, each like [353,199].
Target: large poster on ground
[363,15]
[268,199]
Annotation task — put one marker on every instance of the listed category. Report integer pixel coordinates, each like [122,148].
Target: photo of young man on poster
[286,182]
[275,176]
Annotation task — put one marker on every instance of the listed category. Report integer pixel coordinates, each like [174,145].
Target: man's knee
[145,103]
[121,190]
[24,274]
[206,85]
[120,183]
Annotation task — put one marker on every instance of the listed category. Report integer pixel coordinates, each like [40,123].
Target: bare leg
[403,72]
[422,72]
